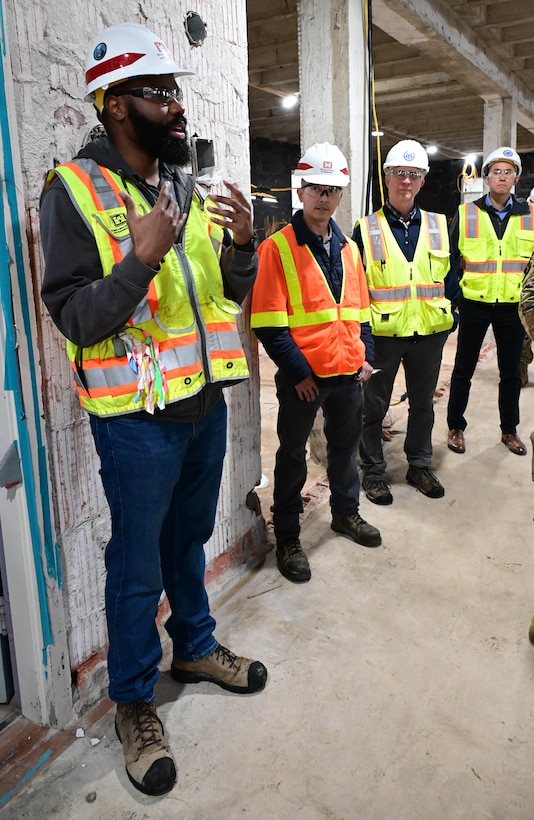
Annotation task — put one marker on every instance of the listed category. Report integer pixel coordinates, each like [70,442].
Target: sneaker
[425,481]
[359,530]
[292,561]
[377,491]
[148,759]
[222,667]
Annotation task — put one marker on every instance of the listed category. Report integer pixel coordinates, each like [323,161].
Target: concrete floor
[401,679]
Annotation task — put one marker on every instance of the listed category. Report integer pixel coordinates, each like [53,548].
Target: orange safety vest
[291,291]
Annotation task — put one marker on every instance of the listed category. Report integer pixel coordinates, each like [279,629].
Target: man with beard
[142,278]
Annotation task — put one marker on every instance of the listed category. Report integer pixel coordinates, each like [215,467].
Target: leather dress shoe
[514,444]
[456,441]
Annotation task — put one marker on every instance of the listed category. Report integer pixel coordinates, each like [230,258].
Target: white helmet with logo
[125,51]
[323,164]
[407,153]
[502,154]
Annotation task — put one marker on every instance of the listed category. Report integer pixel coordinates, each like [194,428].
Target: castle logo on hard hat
[409,156]
[327,165]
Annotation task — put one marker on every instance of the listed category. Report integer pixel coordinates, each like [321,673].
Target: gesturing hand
[154,233]
[235,215]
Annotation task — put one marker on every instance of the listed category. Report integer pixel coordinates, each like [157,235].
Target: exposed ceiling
[433,69]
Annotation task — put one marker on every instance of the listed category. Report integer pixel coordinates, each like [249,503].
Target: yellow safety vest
[493,268]
[407,297]
[181,335]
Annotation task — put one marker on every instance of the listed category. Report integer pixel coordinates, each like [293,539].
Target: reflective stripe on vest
[300,316]
[185,311]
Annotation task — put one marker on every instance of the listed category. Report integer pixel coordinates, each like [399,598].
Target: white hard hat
[323,164]
[502,154]
[407,153]
[125,51]
[531,195]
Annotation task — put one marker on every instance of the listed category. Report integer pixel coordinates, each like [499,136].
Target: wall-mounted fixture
[195,28]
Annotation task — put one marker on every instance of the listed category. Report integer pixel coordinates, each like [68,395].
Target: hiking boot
[425,481]
[359,530]
[222,667]
[377,491]
[292,561]
[147,757]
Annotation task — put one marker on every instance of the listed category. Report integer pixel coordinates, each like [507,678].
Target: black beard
[155,139]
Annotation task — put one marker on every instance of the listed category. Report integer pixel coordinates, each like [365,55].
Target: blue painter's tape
[42,542]
[30,773]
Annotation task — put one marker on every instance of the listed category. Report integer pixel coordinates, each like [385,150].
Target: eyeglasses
[162,96]
[400,172]
[323,190]
[500,172]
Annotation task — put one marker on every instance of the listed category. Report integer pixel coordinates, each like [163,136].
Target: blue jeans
[161,480]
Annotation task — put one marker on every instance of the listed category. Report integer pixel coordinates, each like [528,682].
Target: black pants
[421,358]
[475,319]
[341,402]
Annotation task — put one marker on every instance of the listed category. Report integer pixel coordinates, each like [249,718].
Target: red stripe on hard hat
[344,171]
[107,66]
[304,166]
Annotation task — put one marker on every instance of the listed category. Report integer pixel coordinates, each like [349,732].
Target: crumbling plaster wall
[48,45]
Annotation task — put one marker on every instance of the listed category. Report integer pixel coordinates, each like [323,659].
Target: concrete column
[333,66]
[500,123]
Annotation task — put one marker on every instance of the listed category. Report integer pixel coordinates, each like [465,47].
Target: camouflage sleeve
[526,299]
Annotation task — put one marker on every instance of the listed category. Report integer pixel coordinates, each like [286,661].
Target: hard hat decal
[100,51]
[508,152]
[327,165]
[409,156]
[107,66]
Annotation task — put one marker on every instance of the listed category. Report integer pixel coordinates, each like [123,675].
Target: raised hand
[235,213]
[154,233]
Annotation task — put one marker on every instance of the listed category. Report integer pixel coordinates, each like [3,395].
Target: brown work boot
[292,561]
[148,759]
[359,530]
[222,667]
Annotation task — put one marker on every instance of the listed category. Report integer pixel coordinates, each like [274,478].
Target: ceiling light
[470,159]
[377,133]
[290,101]
[432,149]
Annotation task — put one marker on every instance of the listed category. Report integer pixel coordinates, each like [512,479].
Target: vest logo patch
[117,224]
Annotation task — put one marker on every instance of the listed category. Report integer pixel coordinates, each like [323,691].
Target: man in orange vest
[144,295]
[310,310]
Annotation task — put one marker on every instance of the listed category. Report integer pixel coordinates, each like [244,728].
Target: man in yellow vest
[142,279]
[310,310]
[406,256]
[492,240]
